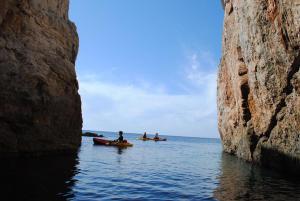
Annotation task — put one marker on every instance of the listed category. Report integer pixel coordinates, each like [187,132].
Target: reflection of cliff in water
[46,178]
[242,181]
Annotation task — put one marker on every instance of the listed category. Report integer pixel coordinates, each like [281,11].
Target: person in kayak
[145,136]
[121,138]
[156,136]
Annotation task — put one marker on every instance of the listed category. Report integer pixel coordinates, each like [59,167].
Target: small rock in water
[90,134]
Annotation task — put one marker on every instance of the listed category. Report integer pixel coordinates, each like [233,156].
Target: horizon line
[152,134]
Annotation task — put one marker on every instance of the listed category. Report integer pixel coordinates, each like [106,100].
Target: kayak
[146,139]
[160,139]
[99,141]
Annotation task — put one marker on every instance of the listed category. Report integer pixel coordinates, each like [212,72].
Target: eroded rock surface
[40,108]
[259,80]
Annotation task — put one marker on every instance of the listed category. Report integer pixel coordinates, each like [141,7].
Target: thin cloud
[147,107]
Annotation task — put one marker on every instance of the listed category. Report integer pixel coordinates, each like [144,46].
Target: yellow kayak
[153,139]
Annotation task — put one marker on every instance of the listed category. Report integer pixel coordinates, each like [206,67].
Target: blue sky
[149,65]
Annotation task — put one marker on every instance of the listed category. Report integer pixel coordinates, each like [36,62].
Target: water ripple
[178,169]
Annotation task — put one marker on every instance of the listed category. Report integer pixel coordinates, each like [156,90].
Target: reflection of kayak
[99,141]
[153,139]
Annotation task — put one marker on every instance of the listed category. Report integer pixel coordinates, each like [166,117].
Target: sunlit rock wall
[259,81]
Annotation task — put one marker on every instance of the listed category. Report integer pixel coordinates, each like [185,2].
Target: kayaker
[156,136]
[145,136]
[120,139]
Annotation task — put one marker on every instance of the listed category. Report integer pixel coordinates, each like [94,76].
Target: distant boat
[153,139]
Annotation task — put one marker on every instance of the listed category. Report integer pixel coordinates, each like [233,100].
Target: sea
[181,168]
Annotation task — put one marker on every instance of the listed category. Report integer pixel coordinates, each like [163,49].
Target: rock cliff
[40,108]
[259,81]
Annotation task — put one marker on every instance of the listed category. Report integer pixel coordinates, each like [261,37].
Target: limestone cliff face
[259,80]
[40,108]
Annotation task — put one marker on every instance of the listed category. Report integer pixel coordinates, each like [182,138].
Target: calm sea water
[178,169]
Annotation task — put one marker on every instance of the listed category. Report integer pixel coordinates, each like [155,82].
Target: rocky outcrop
[90,134]
[40,108]
[259,80]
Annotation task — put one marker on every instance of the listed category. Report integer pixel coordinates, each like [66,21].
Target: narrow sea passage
[181,168]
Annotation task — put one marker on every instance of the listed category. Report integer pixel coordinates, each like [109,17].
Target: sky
[149,65]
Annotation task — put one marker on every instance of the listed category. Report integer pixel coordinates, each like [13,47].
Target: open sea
[182,168]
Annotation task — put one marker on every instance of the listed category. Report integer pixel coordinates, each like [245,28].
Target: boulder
[90,134]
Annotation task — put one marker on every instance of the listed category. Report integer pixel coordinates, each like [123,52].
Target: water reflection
[120,151]
[44,178]
[242,181]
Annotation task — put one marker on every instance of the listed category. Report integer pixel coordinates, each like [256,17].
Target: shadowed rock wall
[259,80]
[40,108]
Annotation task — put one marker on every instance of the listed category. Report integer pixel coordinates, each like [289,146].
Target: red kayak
[99,141]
